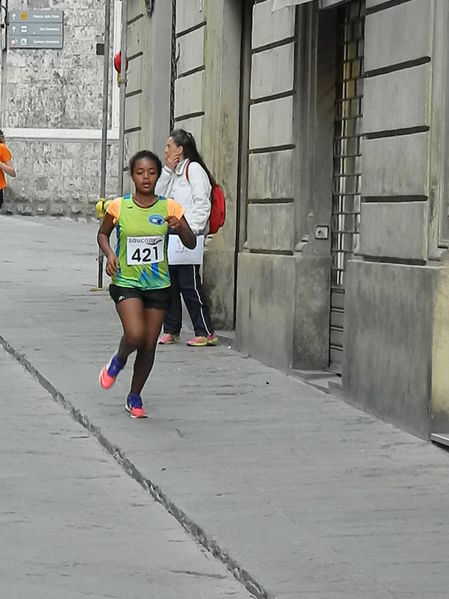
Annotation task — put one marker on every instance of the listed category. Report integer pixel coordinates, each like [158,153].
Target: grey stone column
[220,146]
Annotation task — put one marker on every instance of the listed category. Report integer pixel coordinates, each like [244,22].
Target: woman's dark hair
[145,154]
[2,137]
[187,141]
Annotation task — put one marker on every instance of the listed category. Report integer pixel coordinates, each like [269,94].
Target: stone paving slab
[309,496]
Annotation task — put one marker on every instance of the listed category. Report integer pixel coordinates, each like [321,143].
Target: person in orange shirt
[5,165]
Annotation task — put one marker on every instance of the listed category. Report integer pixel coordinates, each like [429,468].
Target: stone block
[191,51]
[401,33]
[218,279]
[134,37]
[394,230]
[269,27]
[42,184]
[396,100]
[134,76]
[270,227]
[189,14]
[388,341]
[189,94]
[135,9]
[440,353]
[271,123]
[132,113]
[58,209]
[266,284]
[273,71]
[77,208]
[311,308]
[133,144]
[395,166]
[41,207]
[194,126]
[270,175]
[24,210]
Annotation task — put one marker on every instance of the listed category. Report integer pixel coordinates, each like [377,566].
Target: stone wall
[396,336]
[58,178]
[207,103]
[283,271]
[147,122]
[52,116]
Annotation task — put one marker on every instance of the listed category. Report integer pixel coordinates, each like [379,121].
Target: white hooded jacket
[193,195]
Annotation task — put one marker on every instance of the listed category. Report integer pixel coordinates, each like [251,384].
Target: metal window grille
[347,164]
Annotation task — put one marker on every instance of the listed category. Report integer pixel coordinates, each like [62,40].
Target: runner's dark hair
[187,141]
[2,137]
[145,154]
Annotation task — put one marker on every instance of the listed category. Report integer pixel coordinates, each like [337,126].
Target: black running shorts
[151,298]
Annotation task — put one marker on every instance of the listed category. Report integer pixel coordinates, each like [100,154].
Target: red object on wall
[117,62]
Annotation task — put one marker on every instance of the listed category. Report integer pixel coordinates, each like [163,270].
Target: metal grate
[347,165]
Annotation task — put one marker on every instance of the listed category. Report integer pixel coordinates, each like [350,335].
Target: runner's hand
[173,222]
[112,265]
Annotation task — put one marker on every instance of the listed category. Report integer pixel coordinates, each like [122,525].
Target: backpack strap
[187,171]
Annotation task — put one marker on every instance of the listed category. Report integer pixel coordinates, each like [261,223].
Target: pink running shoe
[109,373]
[134,406]
[198,341]
[168,339]
[212,339]
[202,341]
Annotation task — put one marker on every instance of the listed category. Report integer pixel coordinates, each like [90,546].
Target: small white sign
[179,254]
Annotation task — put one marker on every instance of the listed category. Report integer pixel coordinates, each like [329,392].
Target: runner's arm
[103,235]
[8,168]
[181,226]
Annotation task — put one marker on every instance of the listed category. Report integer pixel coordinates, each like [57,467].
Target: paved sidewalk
[300,494]
[74,525]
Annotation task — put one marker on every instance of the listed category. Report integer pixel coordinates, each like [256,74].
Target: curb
[157,493]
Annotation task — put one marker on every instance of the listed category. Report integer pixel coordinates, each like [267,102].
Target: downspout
[104,131]
[3,47]
[123,81]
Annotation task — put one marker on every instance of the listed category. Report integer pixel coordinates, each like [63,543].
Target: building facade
[325,121]
[51,112]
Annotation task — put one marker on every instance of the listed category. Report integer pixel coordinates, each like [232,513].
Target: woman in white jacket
[186,179]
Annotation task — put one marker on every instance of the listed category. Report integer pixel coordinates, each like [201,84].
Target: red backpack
[217,206]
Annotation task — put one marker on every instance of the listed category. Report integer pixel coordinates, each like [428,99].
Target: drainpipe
[3,46]
[104,131]
[123,81]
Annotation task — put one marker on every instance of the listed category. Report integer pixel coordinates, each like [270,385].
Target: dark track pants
[186,281]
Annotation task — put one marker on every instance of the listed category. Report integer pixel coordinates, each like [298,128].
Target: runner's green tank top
[142,245]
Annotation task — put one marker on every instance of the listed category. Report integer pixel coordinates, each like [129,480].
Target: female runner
[140,284]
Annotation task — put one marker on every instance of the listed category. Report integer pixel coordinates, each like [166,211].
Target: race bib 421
[144,250]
